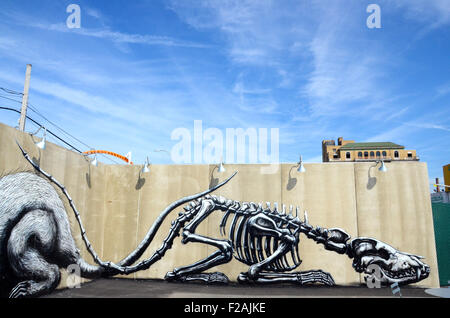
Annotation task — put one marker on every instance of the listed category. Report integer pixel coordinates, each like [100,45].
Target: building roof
[371,145]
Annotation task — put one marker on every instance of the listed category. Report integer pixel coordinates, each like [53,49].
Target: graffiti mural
[36,241]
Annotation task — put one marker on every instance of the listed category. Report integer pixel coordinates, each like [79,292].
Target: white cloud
[297,42]
[392,135]
[93,13]
[7,43]
[120,37]
[433,13]
[256,32]
[430,126]
[443,90]
[104,32]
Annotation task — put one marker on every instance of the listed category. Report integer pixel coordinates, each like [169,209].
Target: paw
[328,280]
[21,290]
[324,278]
[315,276]
[208,278]
[243,278]
[170,276]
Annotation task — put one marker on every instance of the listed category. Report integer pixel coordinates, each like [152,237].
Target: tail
[90,271]
[133,256]
[109,268]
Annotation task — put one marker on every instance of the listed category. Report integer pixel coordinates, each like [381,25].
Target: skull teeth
[409,273]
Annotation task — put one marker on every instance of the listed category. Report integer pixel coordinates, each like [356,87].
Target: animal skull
[395,266]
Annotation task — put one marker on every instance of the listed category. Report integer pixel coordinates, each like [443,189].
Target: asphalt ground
[128,288]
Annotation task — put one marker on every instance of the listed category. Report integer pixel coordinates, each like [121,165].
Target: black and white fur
[35,237]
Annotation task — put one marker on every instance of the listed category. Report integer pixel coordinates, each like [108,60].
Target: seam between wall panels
[137,222]
[104,209]
[281,183]
[356,208]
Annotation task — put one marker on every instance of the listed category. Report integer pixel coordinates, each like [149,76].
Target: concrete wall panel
[162,186]
[395,207]
[327,192]
[251,184]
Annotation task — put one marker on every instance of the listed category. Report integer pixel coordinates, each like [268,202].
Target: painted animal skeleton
[36,241]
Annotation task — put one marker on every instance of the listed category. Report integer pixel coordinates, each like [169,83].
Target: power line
[39,114]
[14,100]
[53,134]
[34,109]
[38,124]
[10,91]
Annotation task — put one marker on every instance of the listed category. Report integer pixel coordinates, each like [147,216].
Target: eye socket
[384,254]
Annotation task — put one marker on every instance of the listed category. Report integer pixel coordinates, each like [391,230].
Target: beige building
[349,150]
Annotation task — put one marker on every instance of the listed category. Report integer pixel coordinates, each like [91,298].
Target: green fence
[441,218]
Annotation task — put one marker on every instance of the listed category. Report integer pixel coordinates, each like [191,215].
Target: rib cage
[251,248]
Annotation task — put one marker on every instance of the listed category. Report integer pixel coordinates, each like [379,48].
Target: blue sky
[137,70]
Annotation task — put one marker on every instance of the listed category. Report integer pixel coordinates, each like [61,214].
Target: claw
[20,290]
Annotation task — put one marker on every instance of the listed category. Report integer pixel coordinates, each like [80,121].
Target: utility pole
[23,112]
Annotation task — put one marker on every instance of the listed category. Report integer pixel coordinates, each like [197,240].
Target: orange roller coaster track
[92,152]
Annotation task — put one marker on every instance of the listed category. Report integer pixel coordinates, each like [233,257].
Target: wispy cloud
[430,126]
[256,32]
[346,72]
[120,37]
[443,90]
[432,13]
[93,13]
[105,32]
[393,135]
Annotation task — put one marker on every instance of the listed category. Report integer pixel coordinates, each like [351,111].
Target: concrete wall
[118,205]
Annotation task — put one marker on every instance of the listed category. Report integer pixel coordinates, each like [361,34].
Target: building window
[396,154]
[360,154]
[378,154]
[409,155]
[366,154]
[384,154]
[347,155]
[372,154]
